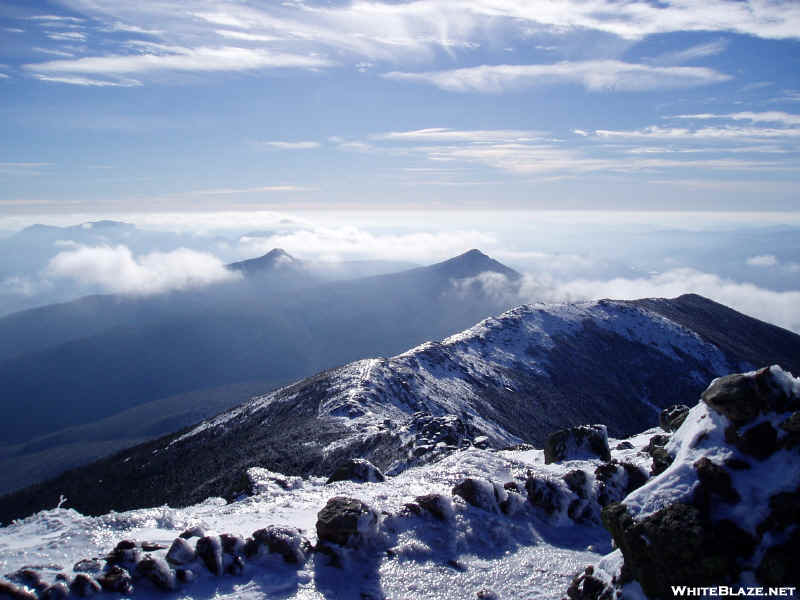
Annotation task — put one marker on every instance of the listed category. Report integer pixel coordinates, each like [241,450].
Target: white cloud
[763,260]
[705,133]
[761,117]
[253,190]
[595,75]
[781,308]
[53,52]
[225,58]
[70,36]
[3,76]
[441,134]
[87,81]
[692,53]
[242,35]
[116,270]
[292,145]
[345,243]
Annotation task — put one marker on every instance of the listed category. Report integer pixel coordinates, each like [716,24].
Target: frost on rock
[346,521]
[724,511]
[583,441]
[357,470]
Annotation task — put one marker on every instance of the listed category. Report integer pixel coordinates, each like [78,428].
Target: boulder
[480,493]
[677,546]
[10,591]
[586,586]
[742,397]
[116,579]
[194,531]
[357,470]
[57,591]
[346,521]
[583,441]
[545,494]
[180,552]
[126,554]
[209,549]
[576,481]
[673,417]
[286,541]
[84,586]
[714,480]
[439,505]
[88,565]
[157,571]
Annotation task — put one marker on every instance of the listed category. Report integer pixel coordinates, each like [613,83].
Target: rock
[57,591]
[439,505]
[677,546]
[84,586]
[185,575]
[88,565]
[126,553]
[778,566]
[11,592]
[232,545]
[157,571]
[657,441]
[784,512]
[636,477]
[481,442]
[576,481]
[28,577]
[582,441]
[195,531]
[586,586]
[760,441]
[286,541]
[151,546]
[673,417]
[661,461]
[357,470]
[345,521]
[487,595]
[116,579]
[545,494]
[737,464]
[236,566]
[713,480]
[209,549]
[624,445]
[742,398]
[480,493]
[180,552]
[792,424]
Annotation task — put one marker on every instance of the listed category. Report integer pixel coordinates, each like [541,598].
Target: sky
[162,105]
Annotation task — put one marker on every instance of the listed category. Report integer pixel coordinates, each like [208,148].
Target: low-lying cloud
[780,308]
[116,270]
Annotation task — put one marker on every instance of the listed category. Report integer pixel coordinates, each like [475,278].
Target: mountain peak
[274,260]
[471,263]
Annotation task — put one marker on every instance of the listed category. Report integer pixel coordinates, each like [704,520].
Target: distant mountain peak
[474,262]
[275,259]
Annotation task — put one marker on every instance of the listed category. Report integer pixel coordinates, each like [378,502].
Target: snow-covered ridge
[438,377]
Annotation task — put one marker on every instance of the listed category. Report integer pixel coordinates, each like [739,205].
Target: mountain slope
[105,355]
[513,378]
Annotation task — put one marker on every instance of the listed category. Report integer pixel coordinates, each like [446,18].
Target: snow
[523,554]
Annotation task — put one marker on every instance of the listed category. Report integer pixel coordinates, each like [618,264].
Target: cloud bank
[116,270]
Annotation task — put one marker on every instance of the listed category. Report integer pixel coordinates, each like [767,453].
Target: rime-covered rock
[545,494]
[116,579]
[126,554]
[209,549]
[439,505]
[585,586]
[673,417]
[84,585]
[12,592]
[346,521]
[194,531]
[286,541]
[88,565]
[157,571]
[180,552]
[481,493]
[57,591]
[583,441]
[357,470]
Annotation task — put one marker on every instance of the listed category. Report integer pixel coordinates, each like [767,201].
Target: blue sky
[112,107]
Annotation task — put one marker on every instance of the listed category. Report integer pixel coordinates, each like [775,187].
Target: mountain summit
[276,259]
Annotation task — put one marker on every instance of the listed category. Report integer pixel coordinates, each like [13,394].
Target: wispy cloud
[282,145]
[56,18]
[762,260]
[654,132]
[87,81]
[226,58]
[441,134]
[600,75]
[754,117]
[69,36]
[253,190]
[242,35]
[689,54]
[53,52]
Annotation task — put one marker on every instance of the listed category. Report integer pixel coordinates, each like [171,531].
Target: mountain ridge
[512,378]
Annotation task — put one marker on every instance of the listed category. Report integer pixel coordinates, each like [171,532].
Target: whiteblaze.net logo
[685,591]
